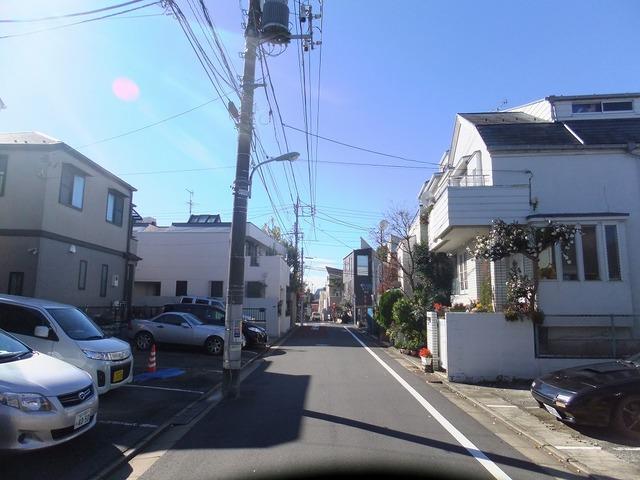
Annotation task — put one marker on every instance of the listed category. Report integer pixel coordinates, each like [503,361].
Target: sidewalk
[596,452]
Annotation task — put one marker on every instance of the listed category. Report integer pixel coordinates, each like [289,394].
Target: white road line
[322,345]
[576,447]
[501,406]
[627,449]
[163,388]
[127,424]
[476,453]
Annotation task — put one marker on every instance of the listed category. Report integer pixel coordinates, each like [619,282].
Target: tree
[384,313]
[434,276]
[273,230]
[505,239]
[397,223]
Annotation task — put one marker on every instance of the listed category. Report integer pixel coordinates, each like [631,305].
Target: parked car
[214,315]
[191,299]
[178,328]
[66,333]
[316,317]
[43,401]
[601,394]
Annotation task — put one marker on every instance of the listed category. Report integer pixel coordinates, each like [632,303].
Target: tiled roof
[607,131]
[333,271]
[520,134]
[611,131]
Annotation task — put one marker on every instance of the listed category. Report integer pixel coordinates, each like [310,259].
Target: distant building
[334,291]
[65,225]
[360,279]
[192,258]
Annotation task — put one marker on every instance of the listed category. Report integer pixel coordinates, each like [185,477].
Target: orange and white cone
[151,365]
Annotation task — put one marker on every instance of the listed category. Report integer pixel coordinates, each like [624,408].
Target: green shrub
[384,314]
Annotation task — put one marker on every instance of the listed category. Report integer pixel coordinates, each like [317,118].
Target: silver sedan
[178,328]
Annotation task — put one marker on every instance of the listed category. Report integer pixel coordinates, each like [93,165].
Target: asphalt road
[126,415]
[322,404]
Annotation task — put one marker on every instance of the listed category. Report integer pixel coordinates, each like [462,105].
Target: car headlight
[533,384]
[562,399]
[255,329]
[27,402]
[113,356]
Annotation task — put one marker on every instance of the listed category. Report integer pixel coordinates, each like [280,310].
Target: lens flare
[125,89]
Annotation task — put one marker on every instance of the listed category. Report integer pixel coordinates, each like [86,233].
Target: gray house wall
[46,239]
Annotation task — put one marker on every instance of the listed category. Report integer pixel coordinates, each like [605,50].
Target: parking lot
[128,414]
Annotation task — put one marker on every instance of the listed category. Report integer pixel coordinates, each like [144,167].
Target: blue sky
[393,77]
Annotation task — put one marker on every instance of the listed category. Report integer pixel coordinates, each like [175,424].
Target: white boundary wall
[484,346]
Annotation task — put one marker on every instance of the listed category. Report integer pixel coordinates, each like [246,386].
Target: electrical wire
[68,15]
[361,148]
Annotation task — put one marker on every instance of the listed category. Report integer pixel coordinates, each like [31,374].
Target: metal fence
[110,319]
[588,336]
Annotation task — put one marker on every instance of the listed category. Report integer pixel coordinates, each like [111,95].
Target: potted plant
[426,358]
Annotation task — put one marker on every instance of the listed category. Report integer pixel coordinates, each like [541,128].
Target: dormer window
[597,107]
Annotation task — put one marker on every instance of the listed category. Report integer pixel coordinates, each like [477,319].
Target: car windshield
[76,324]
[10,348]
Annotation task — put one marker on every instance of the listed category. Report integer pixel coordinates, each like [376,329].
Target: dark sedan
[214,315]
[602,394]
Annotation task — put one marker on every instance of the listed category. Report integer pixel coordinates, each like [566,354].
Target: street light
[287,157]
[232,360]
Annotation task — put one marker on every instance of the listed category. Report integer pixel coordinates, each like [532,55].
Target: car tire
[143,341]
[214,346]
[626,418]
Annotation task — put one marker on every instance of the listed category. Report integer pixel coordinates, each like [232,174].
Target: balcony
[466,206]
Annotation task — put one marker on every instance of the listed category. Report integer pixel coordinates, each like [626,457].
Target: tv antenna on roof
[190,202]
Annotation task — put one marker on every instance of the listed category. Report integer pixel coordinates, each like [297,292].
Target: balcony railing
[469,181]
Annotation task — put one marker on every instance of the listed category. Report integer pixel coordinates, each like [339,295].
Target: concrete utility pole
[232,361]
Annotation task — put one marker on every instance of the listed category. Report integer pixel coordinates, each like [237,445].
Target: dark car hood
[593,376]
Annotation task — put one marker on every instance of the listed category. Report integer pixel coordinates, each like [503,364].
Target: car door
[22,322]
[168,328]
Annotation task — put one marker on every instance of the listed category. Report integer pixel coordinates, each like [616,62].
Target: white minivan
[64,332]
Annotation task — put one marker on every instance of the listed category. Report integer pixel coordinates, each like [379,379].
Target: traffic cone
[151,365]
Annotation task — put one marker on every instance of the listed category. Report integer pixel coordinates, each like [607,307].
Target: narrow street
[324,403]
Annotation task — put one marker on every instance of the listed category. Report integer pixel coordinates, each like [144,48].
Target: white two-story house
[569,159]
[192,258]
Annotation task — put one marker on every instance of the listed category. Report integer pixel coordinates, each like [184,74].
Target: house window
[16,283]
[216,289]
[82,275]
[626,106]
[181,288]
[613,255]
[104,278]
[3,172]
[547,264]
[462,272]
[115,207]
[255,290]
[72,186]
[362,265]
[586,107]
[590,252]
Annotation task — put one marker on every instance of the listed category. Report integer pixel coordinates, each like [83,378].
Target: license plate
[82,419]
[552,411]
[117,376]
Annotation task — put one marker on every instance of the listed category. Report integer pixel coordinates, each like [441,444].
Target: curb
[132,452]
[558,454]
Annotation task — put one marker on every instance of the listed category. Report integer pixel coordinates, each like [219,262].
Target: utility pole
[296,266]
[232,361]
[190,202]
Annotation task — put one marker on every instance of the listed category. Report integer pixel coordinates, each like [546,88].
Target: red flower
[424,352]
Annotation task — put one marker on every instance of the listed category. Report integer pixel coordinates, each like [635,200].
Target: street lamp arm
[287,157]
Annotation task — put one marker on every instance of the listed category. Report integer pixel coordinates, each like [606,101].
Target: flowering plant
[425,352]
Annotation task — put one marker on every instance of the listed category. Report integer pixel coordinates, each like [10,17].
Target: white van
[64,332]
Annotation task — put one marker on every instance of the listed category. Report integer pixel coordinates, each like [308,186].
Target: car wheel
[214,346]
[143,341]
[627,416]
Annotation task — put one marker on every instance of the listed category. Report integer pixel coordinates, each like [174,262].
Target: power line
[166,119]
[361,148]
[33,32]
[77,14]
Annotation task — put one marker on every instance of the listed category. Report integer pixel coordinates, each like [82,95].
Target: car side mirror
[41,331]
